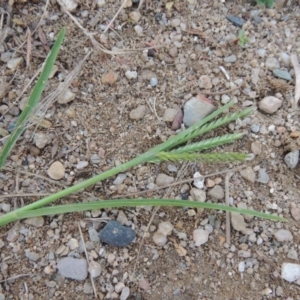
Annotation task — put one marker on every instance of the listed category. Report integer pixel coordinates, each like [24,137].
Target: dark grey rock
[117,235]
[282,74]
[236,21]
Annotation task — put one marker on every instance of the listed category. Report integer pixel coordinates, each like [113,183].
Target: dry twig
[227,177]
[296,66]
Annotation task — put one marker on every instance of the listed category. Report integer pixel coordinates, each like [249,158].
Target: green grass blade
[202,157]
[60,209]
[207,127]
[204,145]
[33,99]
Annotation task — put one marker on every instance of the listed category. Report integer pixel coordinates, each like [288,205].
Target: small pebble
[290,272]
[119,179]
[241,267]
[125,293]
[109,78]
[272,63]
[163,179]
[205,82]
[230,59]
[56,171]
[138,30]
[35,221]
[81,165]
[295,212]
[236,21]
[196,109]
[263,176]
[283,235]
[255,128]
[153,81]
[282,74]
[292,254]
[73,268]
[200,237]
[66,97]
[198,195]
[117,235]
[269,104]
[94,269]
[135,16]
[165,228]
[159,239]
[13,63]
[41,140]
[199,180]
[93,234]
[238,222]
[100,3]
[217,192]
[131,74]
[285,58]
[144,284]
[170,114]
[138,113]
[291,159]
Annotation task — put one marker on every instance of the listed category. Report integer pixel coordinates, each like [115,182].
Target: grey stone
[236,21]
[163,179]
[291,159]
[282,74]
[200,237]
[73,268]
[119,179]
[153,81]
[172,168]
[230,59]
[272,63]
[170,114]
[292,254]
[269,104]
[217,192]
[283,235]
[196,109]
[94,237]
[125,293]
[117,235]
[32,255]
[255,128]
[263,176]
[138,113]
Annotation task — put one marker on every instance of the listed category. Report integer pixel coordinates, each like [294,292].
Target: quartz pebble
[269,104]
[199,180]
[135,16]
[290,272]
[13,63]
[109,78]
[35,221]
[73,268]
[282,74]
[248,174]
[131,74]
[283,235]
[200,237]
[41,140]
[125,293]
[159,239]
[230,59]
[82,164]
[138,30]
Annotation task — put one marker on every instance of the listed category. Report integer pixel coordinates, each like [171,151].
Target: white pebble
[199,180]
[138,30]
[200,237]
[159,239]
[131,74]
[242,267]
[70,5]
[13,63]
[81,165]
[290,272]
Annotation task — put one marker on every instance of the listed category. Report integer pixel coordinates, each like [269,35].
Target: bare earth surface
[97,128]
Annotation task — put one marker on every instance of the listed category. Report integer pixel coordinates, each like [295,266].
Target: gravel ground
[120,105]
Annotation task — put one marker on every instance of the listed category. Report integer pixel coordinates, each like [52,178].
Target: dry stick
[35,175]
[227,177]
[91,36]
[179,182]
[296,66]
[115,16]
[87,258]
[18,276]
[24,195]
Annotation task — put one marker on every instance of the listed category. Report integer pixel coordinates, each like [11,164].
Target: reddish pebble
[144,284]
[295,212]
[209,183]
[109,78]
[281,129]
[177,121]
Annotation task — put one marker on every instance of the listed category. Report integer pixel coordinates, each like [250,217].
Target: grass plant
[174,149]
